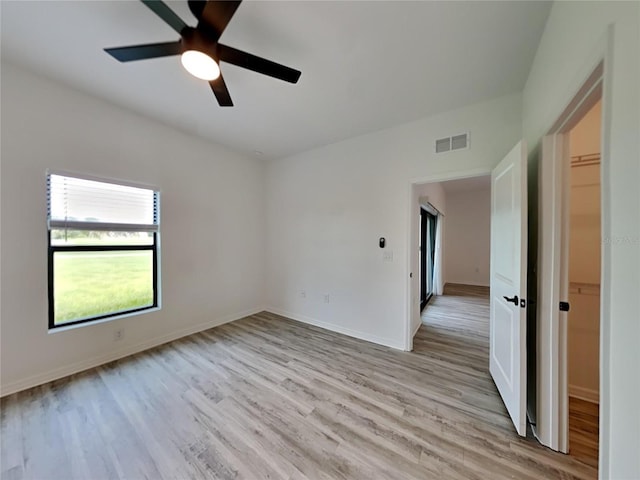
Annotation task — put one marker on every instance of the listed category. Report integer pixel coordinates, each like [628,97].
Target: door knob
[513,300]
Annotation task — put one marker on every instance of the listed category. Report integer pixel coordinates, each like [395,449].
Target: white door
[507,325]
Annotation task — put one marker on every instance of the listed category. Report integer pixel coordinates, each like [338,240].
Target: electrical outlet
[118,334]
[326,298]
[303,294]
[387,256]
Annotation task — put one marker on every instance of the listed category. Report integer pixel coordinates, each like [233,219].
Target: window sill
[63,328]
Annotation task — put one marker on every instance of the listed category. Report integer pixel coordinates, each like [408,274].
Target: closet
[583,332]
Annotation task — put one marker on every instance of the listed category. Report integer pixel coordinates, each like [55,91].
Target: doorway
[446,248]
[584,260]
[569,276]
[478,210]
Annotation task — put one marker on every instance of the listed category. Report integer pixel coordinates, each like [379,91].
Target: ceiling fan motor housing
[197,39]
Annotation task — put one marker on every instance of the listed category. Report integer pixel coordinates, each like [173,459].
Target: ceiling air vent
[456,142]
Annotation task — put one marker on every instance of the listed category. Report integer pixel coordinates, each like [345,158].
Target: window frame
[89,226]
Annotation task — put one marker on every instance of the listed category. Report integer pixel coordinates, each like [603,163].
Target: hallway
[455,334]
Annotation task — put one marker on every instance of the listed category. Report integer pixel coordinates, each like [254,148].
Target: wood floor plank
[584,430]
[267,397]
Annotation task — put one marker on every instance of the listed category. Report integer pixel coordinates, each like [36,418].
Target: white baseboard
[93,362]
[338,329]
[582,393]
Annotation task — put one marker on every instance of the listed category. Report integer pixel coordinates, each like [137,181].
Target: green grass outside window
[88,284]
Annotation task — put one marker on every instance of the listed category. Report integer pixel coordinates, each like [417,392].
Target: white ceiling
[366,65]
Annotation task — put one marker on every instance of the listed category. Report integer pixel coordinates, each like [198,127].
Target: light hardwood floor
[584,430]
[267,397]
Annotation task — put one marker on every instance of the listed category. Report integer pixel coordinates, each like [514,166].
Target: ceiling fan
[199,47]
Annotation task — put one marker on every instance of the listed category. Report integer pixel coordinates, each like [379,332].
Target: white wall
[326,209]
[585,216]
[583,342]
[212,225]
[468,237]
[585,237]
[432,193]
[568,52]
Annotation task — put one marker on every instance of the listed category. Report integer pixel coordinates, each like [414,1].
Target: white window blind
[82,204]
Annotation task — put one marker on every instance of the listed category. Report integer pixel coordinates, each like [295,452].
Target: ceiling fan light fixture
[200,65]
[201,52]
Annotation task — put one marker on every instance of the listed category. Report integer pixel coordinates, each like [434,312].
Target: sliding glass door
[427,255]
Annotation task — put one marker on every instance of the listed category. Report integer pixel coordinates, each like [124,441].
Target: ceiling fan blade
[142,52]
[221,92]
[196,7]
[165,13]
[257,64]
[217,14]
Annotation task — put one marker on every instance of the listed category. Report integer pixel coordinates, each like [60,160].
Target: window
[103,249]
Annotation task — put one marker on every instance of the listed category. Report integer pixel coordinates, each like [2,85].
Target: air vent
[443,145]
[456,142]
[459,141]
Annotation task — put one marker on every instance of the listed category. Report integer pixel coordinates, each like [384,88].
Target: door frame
[552,427]
[413,183]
